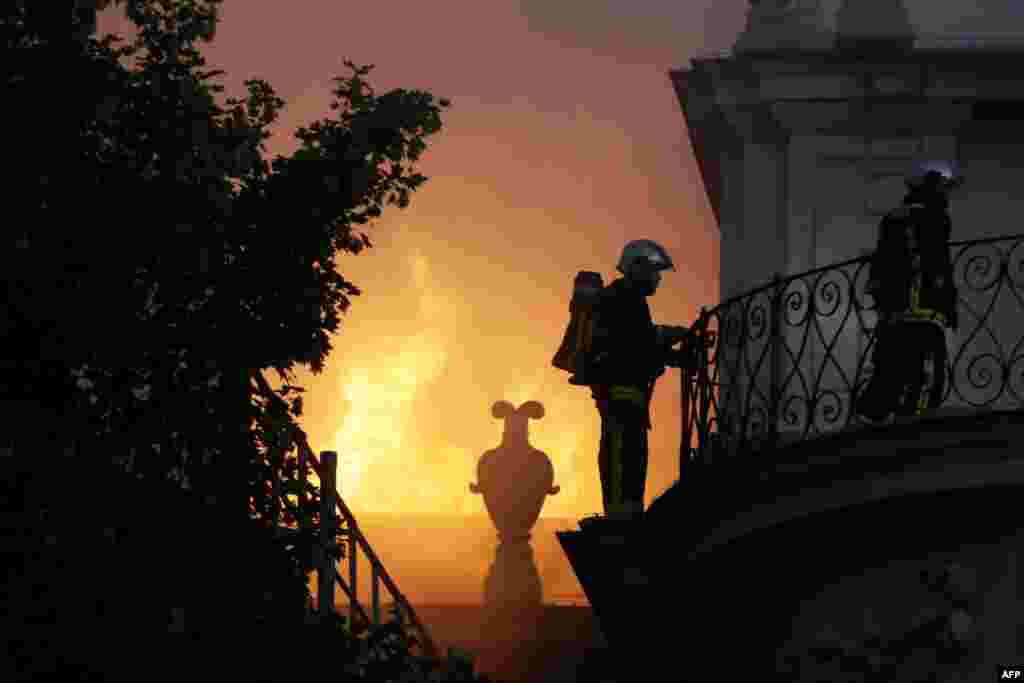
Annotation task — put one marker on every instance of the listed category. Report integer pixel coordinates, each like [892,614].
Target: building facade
[803,133]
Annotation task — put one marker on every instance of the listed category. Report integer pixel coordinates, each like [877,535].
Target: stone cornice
[762,98]
[987,61]
[773,78]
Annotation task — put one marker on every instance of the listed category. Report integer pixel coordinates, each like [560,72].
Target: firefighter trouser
[622,457]
[910,370]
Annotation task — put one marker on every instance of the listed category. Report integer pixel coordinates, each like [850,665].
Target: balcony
[790,521]
[782,364]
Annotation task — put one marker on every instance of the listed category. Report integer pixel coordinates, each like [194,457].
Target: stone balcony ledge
[954,448]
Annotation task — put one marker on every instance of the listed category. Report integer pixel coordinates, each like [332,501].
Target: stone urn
[515,477]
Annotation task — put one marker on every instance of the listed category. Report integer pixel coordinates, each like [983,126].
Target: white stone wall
[991,203]
[731,223]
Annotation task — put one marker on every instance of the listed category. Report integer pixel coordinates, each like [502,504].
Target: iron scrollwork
[793,355]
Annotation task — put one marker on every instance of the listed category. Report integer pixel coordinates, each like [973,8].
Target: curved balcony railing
[785,362]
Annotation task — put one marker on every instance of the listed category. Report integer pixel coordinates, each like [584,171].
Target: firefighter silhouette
[911,279]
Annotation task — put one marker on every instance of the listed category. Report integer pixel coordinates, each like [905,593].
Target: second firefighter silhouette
[613,346]
[911,279]
[514,479]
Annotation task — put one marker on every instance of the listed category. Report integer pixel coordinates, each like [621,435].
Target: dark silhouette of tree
[173,257]
[155,261]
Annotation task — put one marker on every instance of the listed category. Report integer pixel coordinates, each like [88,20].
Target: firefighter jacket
[626,349]
[910,276]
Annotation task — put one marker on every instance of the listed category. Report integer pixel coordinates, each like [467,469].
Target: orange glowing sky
[564,141]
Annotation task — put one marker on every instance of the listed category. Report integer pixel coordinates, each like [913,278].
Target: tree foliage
[165,261]
[175,262]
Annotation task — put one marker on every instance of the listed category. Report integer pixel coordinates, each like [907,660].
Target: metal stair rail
[325,468]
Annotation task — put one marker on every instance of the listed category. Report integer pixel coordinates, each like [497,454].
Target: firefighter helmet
[644,256]
[944,174]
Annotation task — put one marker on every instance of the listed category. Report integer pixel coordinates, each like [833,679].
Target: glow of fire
[371,439]
[378,470]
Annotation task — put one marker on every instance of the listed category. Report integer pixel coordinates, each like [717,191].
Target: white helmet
[640,255]
[945,172]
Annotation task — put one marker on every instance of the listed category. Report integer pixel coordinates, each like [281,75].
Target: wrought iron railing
[327,567]
[785,362]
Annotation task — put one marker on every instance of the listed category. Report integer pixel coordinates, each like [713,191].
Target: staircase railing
[769,381]
[325,468]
